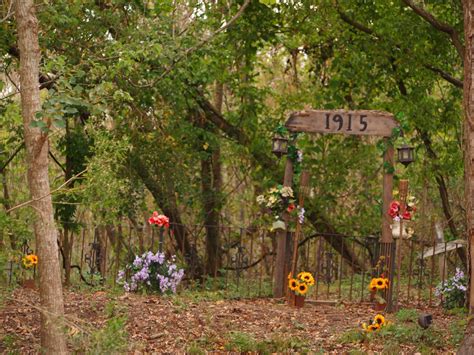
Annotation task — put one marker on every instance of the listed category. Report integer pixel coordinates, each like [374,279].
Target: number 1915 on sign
[349,122]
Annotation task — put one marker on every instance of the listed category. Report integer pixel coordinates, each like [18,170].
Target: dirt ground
[173,324]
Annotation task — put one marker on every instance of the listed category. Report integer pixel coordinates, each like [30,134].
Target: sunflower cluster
[30,260]
[378,283]
[301,284]
[375,324]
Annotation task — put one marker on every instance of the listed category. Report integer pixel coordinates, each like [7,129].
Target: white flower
[261,199]
[299,156]
[287,191]
[301,215]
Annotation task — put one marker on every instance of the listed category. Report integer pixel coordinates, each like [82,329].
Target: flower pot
[278,225]
[296,300]
[372,295]
[29,284]
[379,307]
[396,229]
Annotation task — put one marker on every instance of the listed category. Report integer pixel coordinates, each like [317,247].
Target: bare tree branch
[9,13]
[446,76]
[354,23]
[23,204]
[440,26]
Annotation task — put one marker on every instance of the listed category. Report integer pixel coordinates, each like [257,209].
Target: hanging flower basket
[278,201]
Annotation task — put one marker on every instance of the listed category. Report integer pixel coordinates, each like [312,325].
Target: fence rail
[342,265]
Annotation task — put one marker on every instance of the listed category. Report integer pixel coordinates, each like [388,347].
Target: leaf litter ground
[175,324]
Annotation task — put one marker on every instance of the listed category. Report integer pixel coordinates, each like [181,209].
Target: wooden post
[403,191]
[387,194]
[387,238]
[304,183]
[279,277]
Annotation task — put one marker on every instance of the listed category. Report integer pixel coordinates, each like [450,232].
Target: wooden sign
[361,122]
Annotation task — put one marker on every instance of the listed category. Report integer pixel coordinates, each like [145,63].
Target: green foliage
[244,342]
[405,331]
[9,342]
[132,85]
[407,315]
[110,339]
[240,341]
[457,330]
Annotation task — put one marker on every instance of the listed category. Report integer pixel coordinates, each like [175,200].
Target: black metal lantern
[425,320]
[279,145]
[406,155]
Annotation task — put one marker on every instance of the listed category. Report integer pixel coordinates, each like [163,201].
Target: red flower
[393,212]
[406,215]
[291,207]
[159,219]
[395,205]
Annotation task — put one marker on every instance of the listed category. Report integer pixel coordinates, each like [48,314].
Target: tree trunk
[467,346]
[6,205]
[211,217]
[36,143]
[67,249]
[282,252]
[211,183]
[468,102]
[102,251]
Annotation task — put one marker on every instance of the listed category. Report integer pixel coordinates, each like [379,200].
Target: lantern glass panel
[279,145]
[405,155]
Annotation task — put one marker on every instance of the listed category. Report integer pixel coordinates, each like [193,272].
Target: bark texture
[211,183]
[36,143]
[467,346]
[468,102]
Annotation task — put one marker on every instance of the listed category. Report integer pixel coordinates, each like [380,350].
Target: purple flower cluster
[153,272]
[453,290]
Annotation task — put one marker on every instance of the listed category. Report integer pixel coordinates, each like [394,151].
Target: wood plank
[387,196]
[360,122]
[281,270]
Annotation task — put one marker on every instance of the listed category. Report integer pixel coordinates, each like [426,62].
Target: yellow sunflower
[27,262]
[30,260]
[34,259]
[379,319]
[387,282]
[293,284]
[302,289]
[301,274]
[373,327]
[308,278]
[380,284]
[373,285]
